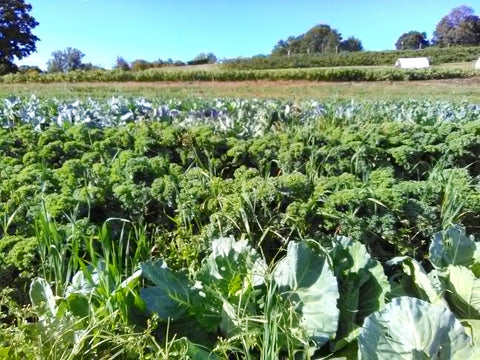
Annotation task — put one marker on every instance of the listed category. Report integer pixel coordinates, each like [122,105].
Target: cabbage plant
[410,328]
[234,293]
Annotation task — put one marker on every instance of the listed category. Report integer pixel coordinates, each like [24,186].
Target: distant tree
[65,60]
[204,58]
[322,39]
[16,38]
[319,39]
[159,63]
[459,27]
[89,66]
[293,45]
[27,69]
[122,64]
[351,44]
[140,64]
[281,48]
[412,40]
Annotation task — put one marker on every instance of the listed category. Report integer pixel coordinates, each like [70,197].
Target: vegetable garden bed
[238,228]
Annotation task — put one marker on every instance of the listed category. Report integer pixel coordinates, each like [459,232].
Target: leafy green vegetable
[409,328]
[362,285]
[472,327]
[416,282]
[225,278]
[43,299]
[305,280]
[170,297]
[453,247]
[463,292]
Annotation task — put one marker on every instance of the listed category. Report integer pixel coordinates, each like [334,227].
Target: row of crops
[227,74]
[258,229]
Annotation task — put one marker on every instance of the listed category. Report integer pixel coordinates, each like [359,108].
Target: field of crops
[367,73]
[231,228]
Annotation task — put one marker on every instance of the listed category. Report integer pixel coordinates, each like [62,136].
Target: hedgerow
[436,55]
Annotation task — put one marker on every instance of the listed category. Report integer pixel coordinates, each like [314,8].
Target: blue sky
[181,29]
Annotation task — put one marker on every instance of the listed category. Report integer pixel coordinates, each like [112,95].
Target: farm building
[412,63]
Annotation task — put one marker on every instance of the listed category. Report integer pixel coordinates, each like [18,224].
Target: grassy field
[451,90]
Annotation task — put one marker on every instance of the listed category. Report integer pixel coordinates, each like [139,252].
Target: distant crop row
[315,74]
[436,55]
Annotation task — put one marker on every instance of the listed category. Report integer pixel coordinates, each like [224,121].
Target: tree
[16,38]
[140,64]
[203,58]
[351,44]
[413,40]
[27,69]
[122,64]
[322,39]
[319,39]
[65,60]
[459,27]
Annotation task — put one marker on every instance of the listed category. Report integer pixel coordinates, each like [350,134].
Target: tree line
[71,59]
[319,39]
[459,27]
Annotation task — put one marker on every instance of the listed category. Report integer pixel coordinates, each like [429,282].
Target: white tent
[477,64]
[412,63]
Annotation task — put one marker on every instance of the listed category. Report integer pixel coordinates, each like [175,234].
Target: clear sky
[181,29]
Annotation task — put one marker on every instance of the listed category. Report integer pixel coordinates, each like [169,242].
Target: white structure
[412,63]
[477,64]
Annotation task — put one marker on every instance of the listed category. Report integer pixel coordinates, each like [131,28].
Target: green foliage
[89,190]
[273,171]
[413,40]
[453,247]
[350,44]
[203,58]
[305,280]
[362,287]
[414,329]
[65,60]
[459,27]
[17,40]
[436,55]
[233,292]
[276,69]
[319,39]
